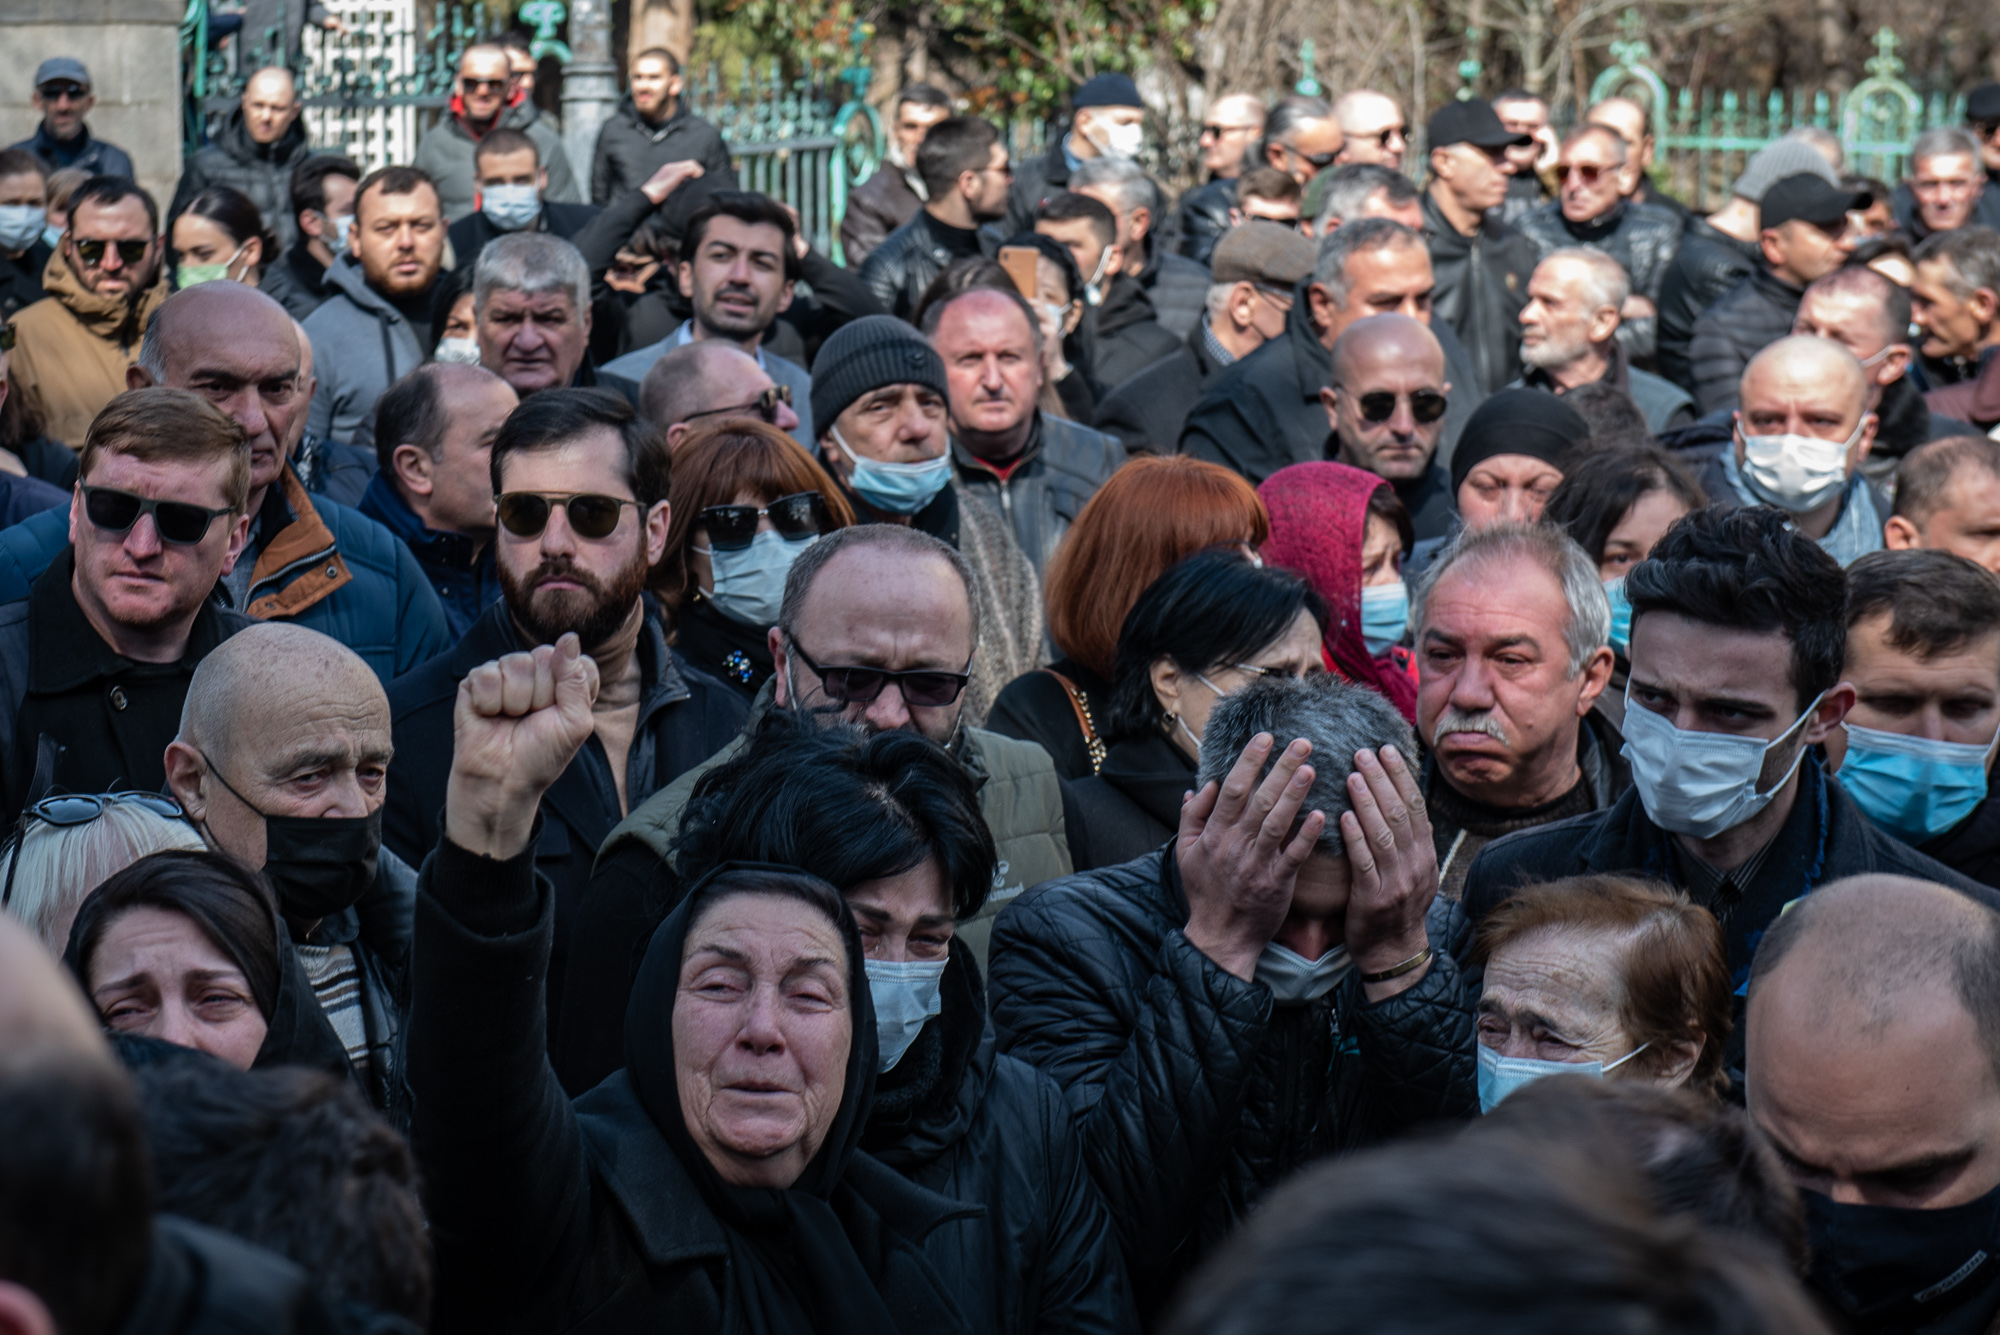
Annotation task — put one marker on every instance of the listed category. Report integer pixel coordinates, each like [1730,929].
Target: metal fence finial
[1308,84]
[1470,68]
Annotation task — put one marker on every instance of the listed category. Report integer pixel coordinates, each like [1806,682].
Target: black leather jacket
[1204,217]
[909,258]
[1707,264]
[1641,237]
[1482,283]
[1194,1093]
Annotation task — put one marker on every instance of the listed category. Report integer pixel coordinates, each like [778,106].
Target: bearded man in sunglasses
[580,492]
[96,659]
[103,285]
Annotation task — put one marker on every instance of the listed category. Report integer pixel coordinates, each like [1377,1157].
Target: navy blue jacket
[460,568]
[86,151]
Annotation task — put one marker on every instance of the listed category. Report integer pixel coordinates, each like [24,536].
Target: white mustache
[1458,720]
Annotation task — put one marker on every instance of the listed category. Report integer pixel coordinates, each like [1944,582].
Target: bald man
[282,760]
[1627,119]
[1373,129]
[1800,437]
[489,96]
[707,379]
[1873,1051]
[255,152]
[1392,362]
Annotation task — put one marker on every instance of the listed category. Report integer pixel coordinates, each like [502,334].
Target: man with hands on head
[1274,986]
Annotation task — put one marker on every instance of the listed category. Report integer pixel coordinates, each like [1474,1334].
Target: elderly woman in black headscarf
[714,1184]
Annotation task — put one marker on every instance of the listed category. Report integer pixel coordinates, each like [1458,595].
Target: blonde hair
[59,865]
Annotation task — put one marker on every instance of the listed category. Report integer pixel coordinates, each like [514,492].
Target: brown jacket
[74,346]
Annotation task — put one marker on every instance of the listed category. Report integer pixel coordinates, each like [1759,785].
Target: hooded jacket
[1641,237]
[361,345]
[1756,313]
[446,153]
[1046,486]
[1482,284]
[1194,1093]
[74,346]
[261,171]
[630,149]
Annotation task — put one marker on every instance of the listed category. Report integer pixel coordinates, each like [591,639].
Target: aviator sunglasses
[1426,405]
[923,687]
[178,522]
[526,513]
[731,527]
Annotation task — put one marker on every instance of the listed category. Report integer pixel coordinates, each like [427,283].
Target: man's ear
[774,639]
[1832,708]
[1869,424]
[1771,242]
[1603,324]
[1596,676]
[684,275]
[1895,365]
[658,519]
[138,377]
[186,773]
[541,180]
[1900,535]
[1139,222]
[1984,303]
[414,469]
[1329,399]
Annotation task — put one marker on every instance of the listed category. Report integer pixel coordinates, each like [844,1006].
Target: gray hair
[1606,283]
[1337,717]
[1946,141]
[911,543]
[1972,254]
[531,263]
[1217,300]
[1822,141]
[1330,268]
[1284,119]
[1590,128]
[1588,626]
[1352,186]
[1126,179]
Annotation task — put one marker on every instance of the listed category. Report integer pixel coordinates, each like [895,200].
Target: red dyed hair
[1150,514]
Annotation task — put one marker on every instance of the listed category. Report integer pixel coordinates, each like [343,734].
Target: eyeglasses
[765,405]
[1005,169]
[526,513]
[92,252]
[1385,137]
[1217,131]
[1426,405]
[732,527]
[923,688]
[1280,297]
[1586,172]
[71,809]
[179,522]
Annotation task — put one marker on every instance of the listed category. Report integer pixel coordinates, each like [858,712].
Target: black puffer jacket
[1757,313]
[957,1118]
[1482,283]
[898,270]
[1193,1093]
[261,171]
[1707,264]
[1641,237]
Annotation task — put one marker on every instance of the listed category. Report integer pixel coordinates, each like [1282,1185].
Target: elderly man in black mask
[283,761]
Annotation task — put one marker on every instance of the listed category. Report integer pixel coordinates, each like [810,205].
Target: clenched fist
[517,725]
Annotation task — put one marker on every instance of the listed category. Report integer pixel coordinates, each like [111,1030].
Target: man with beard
[1569,335]
[581,490]
[739,260]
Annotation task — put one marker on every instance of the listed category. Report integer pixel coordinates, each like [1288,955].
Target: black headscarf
[793,1270]
[1519,421]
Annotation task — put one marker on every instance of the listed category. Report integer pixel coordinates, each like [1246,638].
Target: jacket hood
[1151,771]
[235,140]
[1125,305]
[344,275]
[106,317]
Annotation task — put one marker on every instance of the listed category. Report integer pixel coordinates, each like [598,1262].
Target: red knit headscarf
[1319,516]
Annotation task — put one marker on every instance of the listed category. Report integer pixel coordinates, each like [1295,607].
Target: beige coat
[73,348]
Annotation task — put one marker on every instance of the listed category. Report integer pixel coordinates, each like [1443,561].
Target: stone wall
[132,50]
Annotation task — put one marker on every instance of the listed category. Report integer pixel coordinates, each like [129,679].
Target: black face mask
[1880,1264]
[319,865]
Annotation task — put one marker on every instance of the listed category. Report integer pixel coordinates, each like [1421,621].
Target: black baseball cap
[1982,104]
[1472,122]
[1810,198]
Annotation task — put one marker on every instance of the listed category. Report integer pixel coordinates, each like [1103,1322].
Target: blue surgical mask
[20,225]
[750,581]
[510,207]
[1500,1076]
[1621,615]
[897,489]
[1385,615]
[53,235]
[1295,980]
[907,996]
[1913,787]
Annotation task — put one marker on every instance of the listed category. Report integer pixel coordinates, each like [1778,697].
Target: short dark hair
[505,139]
[1972,253]
[1938,603]
[1213,607]
[109,192]
[1749,569]
[847,805]
[393,181]
[1516,94]
[1613,418]
[309,180]
[1602,488]
[1887,298]
[660,53]
[1069,206]
[76,1199]
[555,417]
[410,412]
[954,145]
[1268,183]
[746,206]
[923,95]
[20,162]
[1287,116]
[231,210]
[1924,478]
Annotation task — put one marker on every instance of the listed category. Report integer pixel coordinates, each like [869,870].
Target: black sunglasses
[1393,132]
[1320,161]
[526,513]
[70,809]
[1426,405]
[731,527]
[475,85]
[922,688]
[131,252]
[178,522]
[765,405]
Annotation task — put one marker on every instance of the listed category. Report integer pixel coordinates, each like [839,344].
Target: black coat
[1482,284]
[261,171]
[1707,264]
[1035,179]
[1204,219]
[551,1217]
[202,1281]
[875,208]
[1756,313]
[1194,1094]
[1034,707]
[1641,237]
[900,269]
[21,278]
[629,150]
[297,281]
[1264,411]
[684,718]
[1177,287]
[1129,338]
[1972,847]
[474,232]
[1148,411]
[1131,806]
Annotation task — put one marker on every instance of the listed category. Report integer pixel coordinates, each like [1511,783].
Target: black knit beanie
[867,354]
[1533,422]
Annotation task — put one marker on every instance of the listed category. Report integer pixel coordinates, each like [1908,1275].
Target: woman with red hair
[1150,514]
[1345,531]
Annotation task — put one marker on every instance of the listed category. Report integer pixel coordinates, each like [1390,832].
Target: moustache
[1460,720]
[561,567]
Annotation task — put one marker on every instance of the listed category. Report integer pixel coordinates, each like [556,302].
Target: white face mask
[907,996]
[1295,980]
[1124,141]
[1500,1076]
[1795,473]
[458,351]
[1702,783]
[1092,293]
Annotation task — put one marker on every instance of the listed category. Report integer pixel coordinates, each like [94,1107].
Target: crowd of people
[1388,745]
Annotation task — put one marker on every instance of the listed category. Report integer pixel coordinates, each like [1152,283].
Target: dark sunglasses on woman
[526,513]
[732,527]
[922,688]
[1426,405]
[178,522]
